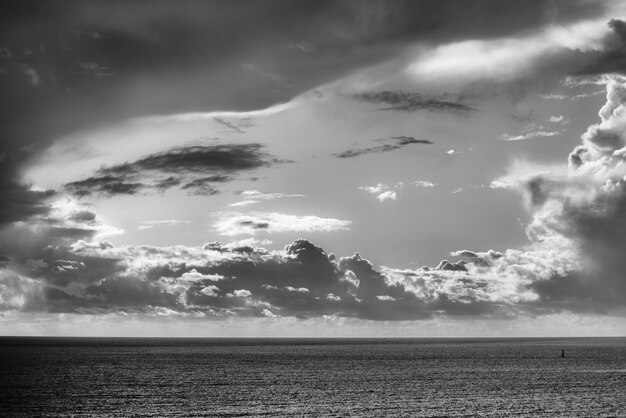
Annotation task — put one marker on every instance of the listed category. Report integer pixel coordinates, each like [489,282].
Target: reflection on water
[184,377]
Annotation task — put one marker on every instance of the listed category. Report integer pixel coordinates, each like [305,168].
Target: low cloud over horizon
[302,281]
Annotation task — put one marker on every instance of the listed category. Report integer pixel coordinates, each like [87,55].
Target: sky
[302,169]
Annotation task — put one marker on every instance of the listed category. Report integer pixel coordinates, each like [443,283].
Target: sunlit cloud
[252,197]
[530,135]
[424,183]
[235,223]
[505,58]
[198,116]
[383,192]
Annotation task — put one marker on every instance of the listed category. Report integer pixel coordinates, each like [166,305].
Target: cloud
[554,96]
[198,116]
[530,135]
[423,183]
[106,184]
[254,196]
[412,102]
[512,57]
[204,185]
[346,37]
[579,209]
[229,125]
[532,131]
[197,158]
[165,222]
[52,260]
[247,246]
[379,188]
[243,203]
[388,195]
[240,293]
[383,192]
[41,247]
[20,202]
[558,119]
[396,142]
[185,166]
[33,75]
[301,280]
[234,223]
[298,290]
[610,58]
[497,184]
[18,292]
[488,283]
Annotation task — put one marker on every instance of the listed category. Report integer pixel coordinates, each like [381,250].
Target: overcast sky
[313,168]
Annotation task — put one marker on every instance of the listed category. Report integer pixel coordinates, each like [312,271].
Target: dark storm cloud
[572,292]
[21,242]
[397,142]
[599,229]
[182,165]
[18,200]
[99,61]
[612,59]
[412,102]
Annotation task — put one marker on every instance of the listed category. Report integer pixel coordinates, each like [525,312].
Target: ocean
[312,377]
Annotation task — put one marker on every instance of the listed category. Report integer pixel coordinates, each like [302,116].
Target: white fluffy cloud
[383,192]
[388,195]
[235,223]
[579,210]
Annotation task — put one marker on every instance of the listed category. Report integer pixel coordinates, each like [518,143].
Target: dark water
[213,377]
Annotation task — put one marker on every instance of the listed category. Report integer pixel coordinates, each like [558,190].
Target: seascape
[313,208]
[312,377]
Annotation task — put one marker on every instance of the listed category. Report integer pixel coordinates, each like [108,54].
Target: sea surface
[312,377]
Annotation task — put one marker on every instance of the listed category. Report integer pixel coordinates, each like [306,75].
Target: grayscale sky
[313,168]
